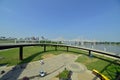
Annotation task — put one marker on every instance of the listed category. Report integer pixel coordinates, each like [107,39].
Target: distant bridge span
[20,46]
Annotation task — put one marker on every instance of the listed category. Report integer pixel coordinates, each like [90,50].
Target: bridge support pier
[67,48]
[21,53]
[44,48]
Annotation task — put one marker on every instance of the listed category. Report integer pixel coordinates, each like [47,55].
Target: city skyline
[92,20]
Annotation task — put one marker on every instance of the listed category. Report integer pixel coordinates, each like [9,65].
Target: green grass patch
[10,57]
[33,53]
[63,74]
[107,66]
[7,41]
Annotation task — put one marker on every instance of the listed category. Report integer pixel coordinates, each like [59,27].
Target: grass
[7,41]
[63,74]
[11,56]
[107,66]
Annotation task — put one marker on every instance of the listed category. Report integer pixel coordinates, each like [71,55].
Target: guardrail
[101,76]
[20,46]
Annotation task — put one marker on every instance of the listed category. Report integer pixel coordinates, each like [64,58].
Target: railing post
[55,48]
[44,48]
[21,53]
[67,48]
[89,52]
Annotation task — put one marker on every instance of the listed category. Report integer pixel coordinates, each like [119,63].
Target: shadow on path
[18,69]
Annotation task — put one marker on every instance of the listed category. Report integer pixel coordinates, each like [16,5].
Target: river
[111,48]
[114,49]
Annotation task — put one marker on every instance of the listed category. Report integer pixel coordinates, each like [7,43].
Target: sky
[86,19]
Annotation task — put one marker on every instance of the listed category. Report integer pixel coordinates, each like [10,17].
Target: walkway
[53,66]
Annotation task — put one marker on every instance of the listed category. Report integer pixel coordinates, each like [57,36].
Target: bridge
[68,42]
[22,45]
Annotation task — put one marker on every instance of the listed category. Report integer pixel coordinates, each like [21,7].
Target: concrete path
[53,66]
[87,75]
[75,76]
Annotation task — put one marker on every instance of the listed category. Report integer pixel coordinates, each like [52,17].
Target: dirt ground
[48,56]
[54,79]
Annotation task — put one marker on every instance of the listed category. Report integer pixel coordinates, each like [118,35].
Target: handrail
[7,46]
[100,75]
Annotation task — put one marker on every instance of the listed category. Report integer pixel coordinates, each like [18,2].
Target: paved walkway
[53,66]
[75,76]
